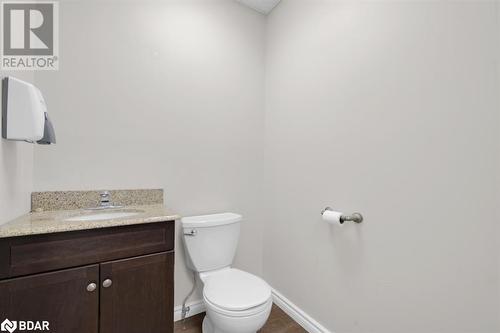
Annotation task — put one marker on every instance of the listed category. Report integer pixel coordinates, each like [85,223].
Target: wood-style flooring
[278,322]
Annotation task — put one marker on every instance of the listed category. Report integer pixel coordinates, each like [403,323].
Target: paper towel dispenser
[24,113]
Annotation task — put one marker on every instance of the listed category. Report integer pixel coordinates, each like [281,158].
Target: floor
[278,322]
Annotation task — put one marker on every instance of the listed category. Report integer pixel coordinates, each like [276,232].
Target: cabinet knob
[91,287]
[107,283]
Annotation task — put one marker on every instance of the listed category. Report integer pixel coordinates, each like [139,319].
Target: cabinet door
[137,295]
[66,299]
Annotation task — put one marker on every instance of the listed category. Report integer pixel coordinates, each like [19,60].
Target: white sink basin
[103,216]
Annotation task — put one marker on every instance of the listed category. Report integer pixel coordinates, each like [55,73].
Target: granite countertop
[56,221]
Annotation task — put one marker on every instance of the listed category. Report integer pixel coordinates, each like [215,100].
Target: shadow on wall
[16,179]
[9,154]
[347,238]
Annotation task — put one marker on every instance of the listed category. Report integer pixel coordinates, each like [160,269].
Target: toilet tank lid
[212,220]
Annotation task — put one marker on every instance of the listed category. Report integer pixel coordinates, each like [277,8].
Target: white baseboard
[195,308]
[302,318]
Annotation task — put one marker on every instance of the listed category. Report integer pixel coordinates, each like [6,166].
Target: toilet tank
[210,241]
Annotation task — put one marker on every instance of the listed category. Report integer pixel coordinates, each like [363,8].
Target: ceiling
[262,6]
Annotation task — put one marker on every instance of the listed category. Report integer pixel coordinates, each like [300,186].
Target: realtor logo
[8,326]
[29,35]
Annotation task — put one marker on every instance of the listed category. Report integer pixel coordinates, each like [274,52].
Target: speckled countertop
[56,221]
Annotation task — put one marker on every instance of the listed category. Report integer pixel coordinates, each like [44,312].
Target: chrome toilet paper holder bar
[355,217]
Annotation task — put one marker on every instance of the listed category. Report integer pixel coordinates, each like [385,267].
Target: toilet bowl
[235,301]
[215,322]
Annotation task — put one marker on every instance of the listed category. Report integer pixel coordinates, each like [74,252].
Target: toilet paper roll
[332,217]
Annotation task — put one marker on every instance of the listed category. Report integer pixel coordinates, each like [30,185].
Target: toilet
[235,301]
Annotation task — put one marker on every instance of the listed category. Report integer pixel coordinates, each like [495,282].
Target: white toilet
[235,301]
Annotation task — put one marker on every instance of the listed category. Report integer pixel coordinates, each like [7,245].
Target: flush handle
[192,233]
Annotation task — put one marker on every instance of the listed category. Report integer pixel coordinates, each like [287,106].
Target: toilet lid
[236,290]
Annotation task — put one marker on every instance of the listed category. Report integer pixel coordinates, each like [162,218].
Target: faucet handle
[105,196]
[105,202]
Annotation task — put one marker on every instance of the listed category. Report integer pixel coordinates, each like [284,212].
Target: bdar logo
[24,326]
[8,326]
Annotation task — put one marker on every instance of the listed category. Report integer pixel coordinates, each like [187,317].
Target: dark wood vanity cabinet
[140,298]
[111,280]
[58,297]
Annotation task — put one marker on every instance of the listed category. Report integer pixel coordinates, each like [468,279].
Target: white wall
[498,173]
[390,109]
[16,170]
[161,94]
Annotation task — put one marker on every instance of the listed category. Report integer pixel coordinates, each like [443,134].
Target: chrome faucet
[104,202]
[105,199]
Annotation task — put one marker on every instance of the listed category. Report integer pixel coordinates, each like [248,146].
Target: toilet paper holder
[355,217]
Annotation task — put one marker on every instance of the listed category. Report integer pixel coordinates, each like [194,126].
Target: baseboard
[196,307]
[302,318]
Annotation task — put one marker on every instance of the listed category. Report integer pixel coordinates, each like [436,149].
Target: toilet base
[208,327]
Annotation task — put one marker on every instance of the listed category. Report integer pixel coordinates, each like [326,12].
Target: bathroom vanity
[115,278]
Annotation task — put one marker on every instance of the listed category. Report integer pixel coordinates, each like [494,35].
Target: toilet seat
[233,291]
[238,313]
